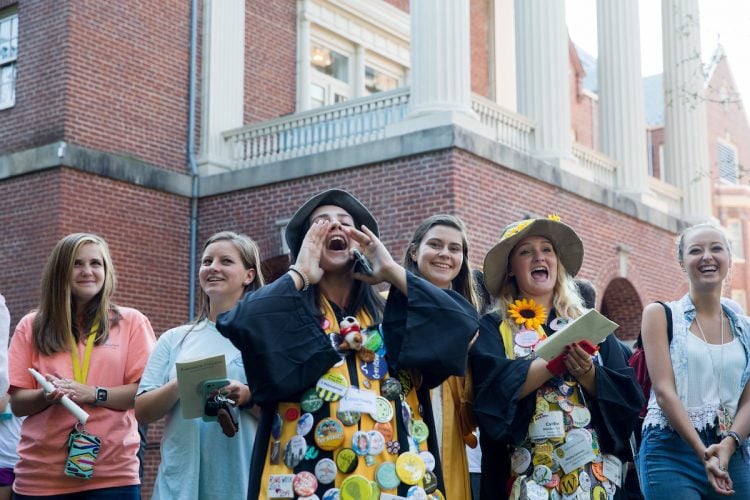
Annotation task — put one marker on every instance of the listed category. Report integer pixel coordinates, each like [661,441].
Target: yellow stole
[366,423]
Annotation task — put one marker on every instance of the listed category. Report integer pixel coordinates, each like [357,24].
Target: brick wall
[270,59]
[41,74]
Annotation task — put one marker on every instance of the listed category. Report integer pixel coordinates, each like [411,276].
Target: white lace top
[695,378]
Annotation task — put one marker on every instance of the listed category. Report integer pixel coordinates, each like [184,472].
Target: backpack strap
[668,314]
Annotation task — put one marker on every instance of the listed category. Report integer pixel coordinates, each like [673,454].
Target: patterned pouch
[82,451]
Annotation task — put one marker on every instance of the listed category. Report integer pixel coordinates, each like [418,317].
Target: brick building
[153,126]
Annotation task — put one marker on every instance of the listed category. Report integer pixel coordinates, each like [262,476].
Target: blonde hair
[54,323]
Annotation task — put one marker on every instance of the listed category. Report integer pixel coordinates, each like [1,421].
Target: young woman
[4,334]
[439,253]
[319,342]
[197,459]
[545,432]
[91,351]
[694,434]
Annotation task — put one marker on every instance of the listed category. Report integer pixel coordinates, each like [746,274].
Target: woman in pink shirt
[93,352]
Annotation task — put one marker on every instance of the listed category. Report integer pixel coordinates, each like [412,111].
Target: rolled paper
[69,405]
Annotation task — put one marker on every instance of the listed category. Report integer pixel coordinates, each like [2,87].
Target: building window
[378,81]
[8,54]
[329,62]
[734,233]
[727,157]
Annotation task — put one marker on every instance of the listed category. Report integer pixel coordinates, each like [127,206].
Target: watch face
[101,394]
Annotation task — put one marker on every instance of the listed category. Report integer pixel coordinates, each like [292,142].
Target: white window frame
[720,143]
[735,233]
[8,64]
[332,86]
[383,65]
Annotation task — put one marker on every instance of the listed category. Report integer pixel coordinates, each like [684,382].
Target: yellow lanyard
[81,373]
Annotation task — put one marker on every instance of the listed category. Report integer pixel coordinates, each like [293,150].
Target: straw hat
[568,247]
[299,223]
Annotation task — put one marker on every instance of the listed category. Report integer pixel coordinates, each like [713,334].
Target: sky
[726,21]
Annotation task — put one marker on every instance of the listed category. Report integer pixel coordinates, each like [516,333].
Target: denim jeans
[116,493]
[668,467]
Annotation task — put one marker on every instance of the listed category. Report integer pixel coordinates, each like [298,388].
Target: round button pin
[420,431]
[429,482]
[325,471]
[331,386]
[346,460]
[311,402]
[385,429]
[386,476]
[361,443]
[329,434]
[355,487]
[294,451]
[374,340]
[304,424]
[581,416]
[375,369]
[291,414]
[377,443]
[304,483]
[348,418]
[584,481]
[428,459]
[390,389]
[383,410]
[410,468]
[416,493]
[526,338]
[520,460]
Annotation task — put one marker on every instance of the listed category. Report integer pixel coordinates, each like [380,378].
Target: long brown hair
[463,283]
[54,323]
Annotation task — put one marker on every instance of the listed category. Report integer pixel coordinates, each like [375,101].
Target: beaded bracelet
[736,437]
[305,279]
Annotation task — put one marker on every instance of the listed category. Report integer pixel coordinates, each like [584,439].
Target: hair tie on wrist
[305,279]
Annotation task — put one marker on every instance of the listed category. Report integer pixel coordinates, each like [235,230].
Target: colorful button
[429,482]
[391,389]
[346,460]
[526,338]
[375,491]
[332,386]
[329,434]
[416,493]
[383,410]
[420,431]
[375,369]
[325,471]
[311,402]
[410,468]
[331,494]
[569,483]
[542,474]
[361,443]
[581,416]
[429,461]
[393,447]
[291,414]
[304,483]
[304,424]
[385,429]
[599,493]
[348,418]
[294,451]
[374,340]
[377,443]
[584,481]
[386,476]
[355,487]
[520,460]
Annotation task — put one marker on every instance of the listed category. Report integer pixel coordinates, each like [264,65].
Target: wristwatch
[101,395]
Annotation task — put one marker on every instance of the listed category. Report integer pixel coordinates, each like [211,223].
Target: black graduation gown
[504,418]
[285,352]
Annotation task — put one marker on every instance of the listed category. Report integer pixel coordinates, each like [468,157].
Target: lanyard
[81,373]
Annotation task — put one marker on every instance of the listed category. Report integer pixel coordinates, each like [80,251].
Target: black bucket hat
[298,224]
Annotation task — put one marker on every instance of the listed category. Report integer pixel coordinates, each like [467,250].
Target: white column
[223,80]
[440,57]
[685,133]
[303,57]
[543,75]
[622,121]
[504,60]
[359,71]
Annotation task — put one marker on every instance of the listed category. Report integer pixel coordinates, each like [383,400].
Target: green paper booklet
[190,378]
[592,326]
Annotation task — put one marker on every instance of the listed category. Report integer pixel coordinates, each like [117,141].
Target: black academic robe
[285,351]
[504,418]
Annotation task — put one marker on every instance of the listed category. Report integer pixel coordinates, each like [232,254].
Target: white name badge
[612,469]
[548,425]
[359,401]
[574,454]
[280,486]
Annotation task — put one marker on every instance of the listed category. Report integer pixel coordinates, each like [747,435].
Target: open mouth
[337,243]
[539,273]
[709,269]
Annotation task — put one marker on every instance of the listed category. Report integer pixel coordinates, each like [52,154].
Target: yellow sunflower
[527,312]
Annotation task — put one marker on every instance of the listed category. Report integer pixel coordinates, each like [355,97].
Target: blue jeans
[668,467]
[116,493]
